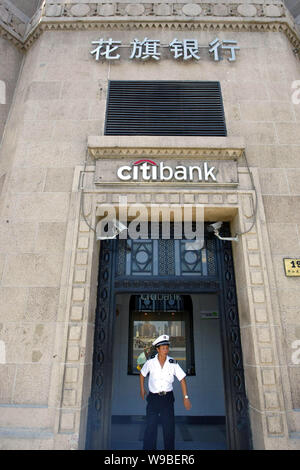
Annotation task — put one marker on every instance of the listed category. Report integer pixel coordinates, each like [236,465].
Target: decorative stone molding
[174,147]
[212,16]
[34,21]
[77,324]
[13,23]
[261,316]
[185,9]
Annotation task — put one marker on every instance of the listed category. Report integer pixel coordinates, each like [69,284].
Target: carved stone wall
[239,16]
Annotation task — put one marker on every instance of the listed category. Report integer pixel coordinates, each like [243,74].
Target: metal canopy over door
[121,270]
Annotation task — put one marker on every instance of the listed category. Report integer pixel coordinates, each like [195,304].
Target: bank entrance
[155,286]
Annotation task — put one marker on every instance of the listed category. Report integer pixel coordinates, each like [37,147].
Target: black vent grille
[165,108]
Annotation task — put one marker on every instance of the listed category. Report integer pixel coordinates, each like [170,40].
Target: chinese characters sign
[185,49]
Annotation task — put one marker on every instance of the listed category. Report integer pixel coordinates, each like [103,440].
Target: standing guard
[162,369]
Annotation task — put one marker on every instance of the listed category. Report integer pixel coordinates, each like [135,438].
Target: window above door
[166,258]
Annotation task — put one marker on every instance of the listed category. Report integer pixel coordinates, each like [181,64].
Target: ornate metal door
[167,266]
[98,427]
[237,416]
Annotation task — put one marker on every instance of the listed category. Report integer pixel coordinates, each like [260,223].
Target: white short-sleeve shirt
[162,378]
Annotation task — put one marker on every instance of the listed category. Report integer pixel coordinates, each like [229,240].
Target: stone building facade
[52,127]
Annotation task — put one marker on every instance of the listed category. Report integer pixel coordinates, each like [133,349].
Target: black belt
[161,393]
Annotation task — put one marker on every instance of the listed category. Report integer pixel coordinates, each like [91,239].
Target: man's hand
[143,393]
[187,404]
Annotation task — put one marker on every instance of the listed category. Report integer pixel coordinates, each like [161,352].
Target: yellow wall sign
[292,266]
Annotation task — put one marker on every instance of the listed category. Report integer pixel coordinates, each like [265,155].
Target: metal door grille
[189,108]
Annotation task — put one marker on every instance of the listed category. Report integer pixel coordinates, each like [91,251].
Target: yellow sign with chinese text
[292,266]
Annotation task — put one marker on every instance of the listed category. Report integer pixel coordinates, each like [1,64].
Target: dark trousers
[163,406]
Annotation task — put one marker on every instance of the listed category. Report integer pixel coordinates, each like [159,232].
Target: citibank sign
[148,170]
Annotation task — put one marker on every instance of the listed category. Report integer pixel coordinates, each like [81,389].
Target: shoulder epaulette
[173,361]
[151,357]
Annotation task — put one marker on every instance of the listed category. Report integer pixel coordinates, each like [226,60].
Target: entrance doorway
[198,287]
[192,322]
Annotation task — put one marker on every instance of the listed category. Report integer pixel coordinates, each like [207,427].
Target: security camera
[214,227]
[114,228]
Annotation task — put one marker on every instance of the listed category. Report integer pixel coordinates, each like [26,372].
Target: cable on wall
[255,205]
[82,194]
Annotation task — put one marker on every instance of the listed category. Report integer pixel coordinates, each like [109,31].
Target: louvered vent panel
[165,108]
